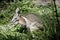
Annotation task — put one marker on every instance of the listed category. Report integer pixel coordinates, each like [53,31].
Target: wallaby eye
[15,18]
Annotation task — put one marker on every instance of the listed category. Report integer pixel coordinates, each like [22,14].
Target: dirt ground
[45,2]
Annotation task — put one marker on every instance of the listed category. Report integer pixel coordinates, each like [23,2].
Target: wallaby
[30,21]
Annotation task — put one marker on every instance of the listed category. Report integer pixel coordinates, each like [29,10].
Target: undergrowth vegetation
[46,14]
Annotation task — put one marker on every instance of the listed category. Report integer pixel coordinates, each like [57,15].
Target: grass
[44,12]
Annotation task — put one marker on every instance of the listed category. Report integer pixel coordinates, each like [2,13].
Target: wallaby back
[32,17]
[33,22]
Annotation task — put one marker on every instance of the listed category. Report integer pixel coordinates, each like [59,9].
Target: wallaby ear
[18,12]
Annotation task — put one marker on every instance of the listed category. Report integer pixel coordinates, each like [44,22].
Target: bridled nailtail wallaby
[30,21]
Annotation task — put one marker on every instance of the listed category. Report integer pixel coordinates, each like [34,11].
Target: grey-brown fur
[31,21]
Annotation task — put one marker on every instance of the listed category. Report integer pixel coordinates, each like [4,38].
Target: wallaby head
[16,17]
